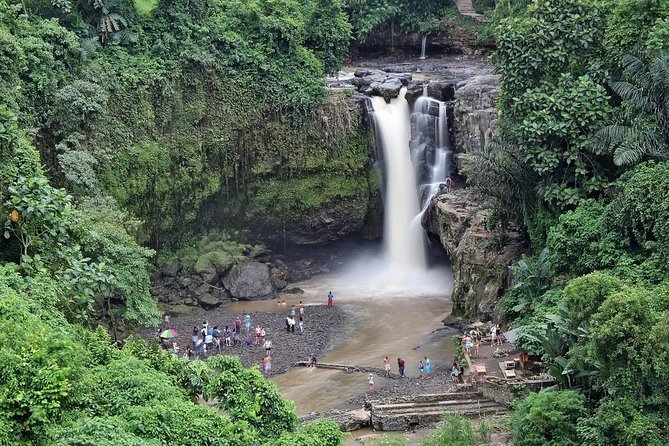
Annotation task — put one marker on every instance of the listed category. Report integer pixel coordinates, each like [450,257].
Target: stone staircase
[426,410]
[467,9]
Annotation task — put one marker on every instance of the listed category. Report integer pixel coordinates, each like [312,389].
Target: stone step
[404,421]
[429,409]
[442,406]
[469,409]
[430,398]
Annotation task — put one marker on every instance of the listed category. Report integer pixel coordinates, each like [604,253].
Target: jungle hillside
[129,129]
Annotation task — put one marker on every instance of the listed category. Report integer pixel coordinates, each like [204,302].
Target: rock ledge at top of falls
[480,259]
[373,82]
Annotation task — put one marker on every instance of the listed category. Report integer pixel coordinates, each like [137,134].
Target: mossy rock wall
[194,152]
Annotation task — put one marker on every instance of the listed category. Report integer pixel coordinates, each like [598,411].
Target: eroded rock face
[475,112]
[251,280]
[339,219]
[480,258]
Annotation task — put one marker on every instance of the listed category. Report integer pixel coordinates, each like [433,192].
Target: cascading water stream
[430,146]
[402,269]
[416,150]
[404,243]
[423,48]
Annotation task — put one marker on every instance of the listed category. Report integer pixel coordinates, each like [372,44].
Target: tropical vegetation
[120,123]
[580,164]
[126,124]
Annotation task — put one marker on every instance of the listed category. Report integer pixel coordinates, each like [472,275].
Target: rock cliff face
[480,258]
[475,112]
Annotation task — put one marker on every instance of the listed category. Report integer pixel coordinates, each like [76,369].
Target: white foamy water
[404,243]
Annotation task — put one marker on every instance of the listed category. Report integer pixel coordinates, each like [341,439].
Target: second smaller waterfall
[430,145]
[423,47]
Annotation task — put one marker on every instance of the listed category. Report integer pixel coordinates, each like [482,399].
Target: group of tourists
[496,335]
[424,369]
[290,319]
[472,342]
[210,339]
[457,372]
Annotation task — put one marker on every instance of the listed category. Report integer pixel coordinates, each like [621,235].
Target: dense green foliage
[63,384]
[407,15]
[183,123]
[93,265]
[547,418]
[578,162]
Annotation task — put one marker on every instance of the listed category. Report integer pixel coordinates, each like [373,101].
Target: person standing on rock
[330,299]
[291,323]
[268,346]
[301,325]
[238,325]
[257,335]
[455,373]
[386,365]
[400,365]
[209,339]
[247,323]
[428,367]
[421,368]
[227,336]
[301,309]
[370,381]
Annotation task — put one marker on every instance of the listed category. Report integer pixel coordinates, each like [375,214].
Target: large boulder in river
[480,258]
[251,280]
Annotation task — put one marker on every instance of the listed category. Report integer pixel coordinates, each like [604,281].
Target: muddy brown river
[388,316]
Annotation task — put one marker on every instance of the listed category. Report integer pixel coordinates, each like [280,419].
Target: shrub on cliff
[547,419]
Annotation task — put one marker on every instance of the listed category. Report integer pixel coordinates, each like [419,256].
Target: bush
[457,431]
[547,419]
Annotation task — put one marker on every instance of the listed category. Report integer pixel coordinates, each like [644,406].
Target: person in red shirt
[400,365]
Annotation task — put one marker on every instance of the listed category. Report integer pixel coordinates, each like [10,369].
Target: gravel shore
[323,327]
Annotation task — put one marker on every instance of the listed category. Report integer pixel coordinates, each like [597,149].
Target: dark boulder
[251,280]
[208,301]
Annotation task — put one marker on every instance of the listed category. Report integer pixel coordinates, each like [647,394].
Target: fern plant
[645,89]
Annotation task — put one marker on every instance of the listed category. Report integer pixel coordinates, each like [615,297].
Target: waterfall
[402,269]
[423,47]
[404,243]
[430,146]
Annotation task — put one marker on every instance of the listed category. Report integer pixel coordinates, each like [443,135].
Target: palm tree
[646,89]
[498,172]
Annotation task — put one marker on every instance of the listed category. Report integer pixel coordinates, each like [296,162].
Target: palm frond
[647,87]
[634,94]
[636,70]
